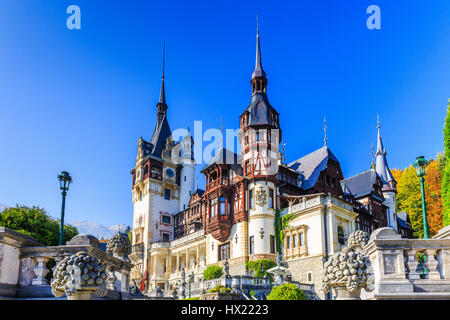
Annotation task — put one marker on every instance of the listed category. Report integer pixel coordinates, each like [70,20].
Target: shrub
[194,298]
[287,291]
[252,293]
[212,272]
[219,288]
[256,266]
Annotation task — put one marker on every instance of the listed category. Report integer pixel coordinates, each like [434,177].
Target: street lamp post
[64,182]
[421,164]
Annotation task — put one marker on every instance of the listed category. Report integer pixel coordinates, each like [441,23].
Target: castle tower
[389,184]
[155,187]
[260,138]
[187,177]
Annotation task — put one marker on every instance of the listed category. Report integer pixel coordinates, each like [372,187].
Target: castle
[177,226]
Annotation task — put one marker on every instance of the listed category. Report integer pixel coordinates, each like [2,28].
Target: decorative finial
[257,25]
[325,139]
[283,157]
[378,121]
[197,184]
[372,166]
[164,57]
[221,133]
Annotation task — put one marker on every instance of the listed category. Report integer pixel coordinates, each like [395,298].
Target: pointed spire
[325,139]
[162,94]
[381,166]
[258,72]
[372,166]
[380,147]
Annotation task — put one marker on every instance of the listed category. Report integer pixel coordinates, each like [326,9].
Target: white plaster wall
[255,223]
[9,264]
[390,199]
[314,236]
[212,251]
[186,187]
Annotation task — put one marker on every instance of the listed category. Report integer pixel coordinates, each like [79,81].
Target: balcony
[225,182]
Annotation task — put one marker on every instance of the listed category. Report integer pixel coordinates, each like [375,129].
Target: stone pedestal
[82,295]
[343,294]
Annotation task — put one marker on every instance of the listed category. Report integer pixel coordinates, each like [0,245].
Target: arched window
[140,195]
[222,205]
[341,237]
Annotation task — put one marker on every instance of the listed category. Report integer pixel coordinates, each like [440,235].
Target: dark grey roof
[310,166]
[225,156]
[361,184]
[402,219]
[259,110]
[159,137]
[200,192]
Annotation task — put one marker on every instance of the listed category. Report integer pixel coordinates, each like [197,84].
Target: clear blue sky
[79,100]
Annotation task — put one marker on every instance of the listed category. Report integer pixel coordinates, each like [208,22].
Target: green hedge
[256,266]
[212,272]
[287,291]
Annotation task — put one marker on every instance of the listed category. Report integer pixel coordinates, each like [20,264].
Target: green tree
[286,291]
[281,223]
[256,266]
[445,191]
[409,199]
[36,223]
[212,272]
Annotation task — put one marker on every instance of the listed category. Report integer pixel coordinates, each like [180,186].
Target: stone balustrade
[409,268]
[25,266]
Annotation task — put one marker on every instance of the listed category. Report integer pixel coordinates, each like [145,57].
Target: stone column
[432,264]
[178,263]
[187,260]
[198,258]
[412,265]
[40,271]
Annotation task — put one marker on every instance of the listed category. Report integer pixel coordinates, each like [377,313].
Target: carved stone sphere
[119,245]
[79,272]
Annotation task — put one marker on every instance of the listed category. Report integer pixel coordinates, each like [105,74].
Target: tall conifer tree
[446,179]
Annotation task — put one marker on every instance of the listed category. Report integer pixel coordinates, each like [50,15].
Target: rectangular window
[166,237]
[224,251]
[250,199]
[252,245]
[302,240]
[294,241]
[272,244]
[309,276]
[167,194]
[288,242]
[271,197]
[165,219]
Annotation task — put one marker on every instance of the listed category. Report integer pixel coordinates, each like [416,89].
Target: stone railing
[188,237]
[117,269]
[23,271]
[409,268]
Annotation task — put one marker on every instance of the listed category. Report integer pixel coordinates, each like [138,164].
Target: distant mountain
[98,230]
[3,207]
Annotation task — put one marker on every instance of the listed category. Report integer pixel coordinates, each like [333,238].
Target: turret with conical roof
[381,167]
